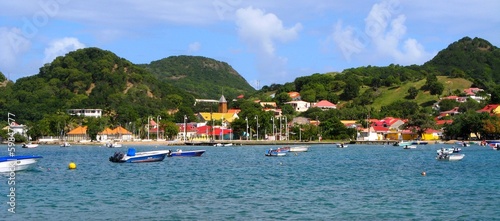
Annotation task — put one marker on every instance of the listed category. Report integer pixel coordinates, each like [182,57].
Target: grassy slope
[389,95]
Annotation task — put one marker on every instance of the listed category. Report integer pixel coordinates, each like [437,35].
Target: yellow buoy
[72,166]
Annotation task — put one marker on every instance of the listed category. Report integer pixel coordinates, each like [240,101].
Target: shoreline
[240,142]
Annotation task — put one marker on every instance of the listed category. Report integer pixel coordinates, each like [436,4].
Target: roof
[293,94]
[325,104]
[489,108]
[78,130]
[107,131]
[229,117]
[222,99]
[121,130]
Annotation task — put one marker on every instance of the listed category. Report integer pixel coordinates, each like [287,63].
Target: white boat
[463,144]
[139,157]
[65,144]
[342,145]
[275,153]
[299,149]
[448,150]
[113,145]
[410,147]
[450,157]
[17,163]
[30,145]
[402,143]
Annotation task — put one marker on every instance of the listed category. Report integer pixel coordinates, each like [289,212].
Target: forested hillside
[203,77]
[475,59]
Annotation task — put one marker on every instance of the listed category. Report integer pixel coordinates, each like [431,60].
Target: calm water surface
[361,182]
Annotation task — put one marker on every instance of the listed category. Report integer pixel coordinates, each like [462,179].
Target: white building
[85,112]
[299,106]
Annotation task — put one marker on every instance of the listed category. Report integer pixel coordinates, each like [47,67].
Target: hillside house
[299,106]
[492,109]
[325,105]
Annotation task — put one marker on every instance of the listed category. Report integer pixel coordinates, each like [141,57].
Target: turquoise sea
[361,182]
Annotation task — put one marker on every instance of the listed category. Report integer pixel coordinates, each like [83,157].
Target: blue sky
[265,41]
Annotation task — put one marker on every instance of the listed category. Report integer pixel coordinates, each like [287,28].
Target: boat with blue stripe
[139,157]
[17,163]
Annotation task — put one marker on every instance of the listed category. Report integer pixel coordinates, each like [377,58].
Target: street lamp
[246,119]
[148,127]
[274,135]
[257,125]
[222,127]
[286,127]
[158,118]
[185,125]
[281,126]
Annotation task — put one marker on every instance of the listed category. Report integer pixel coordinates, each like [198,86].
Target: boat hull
[189,153]
[451,157]
[299,149]
[140,157]
[274,153]
[341,145]
[30,145]
[17,163]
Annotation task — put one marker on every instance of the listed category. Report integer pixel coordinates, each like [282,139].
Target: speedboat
[449,150]
[342,145]
[139,157]
[66,144]
[282,149]
[186,153]
[17,163]
[401,143]
[30,145]
[114,145]
[274,153]
[450,157]
[299,149]
[410,147]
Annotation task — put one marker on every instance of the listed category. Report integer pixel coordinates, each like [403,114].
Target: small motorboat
[282,149]
[450,157]
[30,145]
[462,143]
[139,157]
[17,163]
[114,145]
[299,149]
[66,144]
[401,144]
[275,153]
[449,150]
[186,153]
[342,145]
[410,147]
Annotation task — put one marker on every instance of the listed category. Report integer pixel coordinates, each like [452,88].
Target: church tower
[222,105]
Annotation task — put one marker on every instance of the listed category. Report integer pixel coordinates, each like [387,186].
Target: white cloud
[385,31]
[60,47]
[194,47]
[260,31]
[13,45]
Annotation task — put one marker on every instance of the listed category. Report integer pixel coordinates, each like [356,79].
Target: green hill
[203,77]
[475,59]
[94,78]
